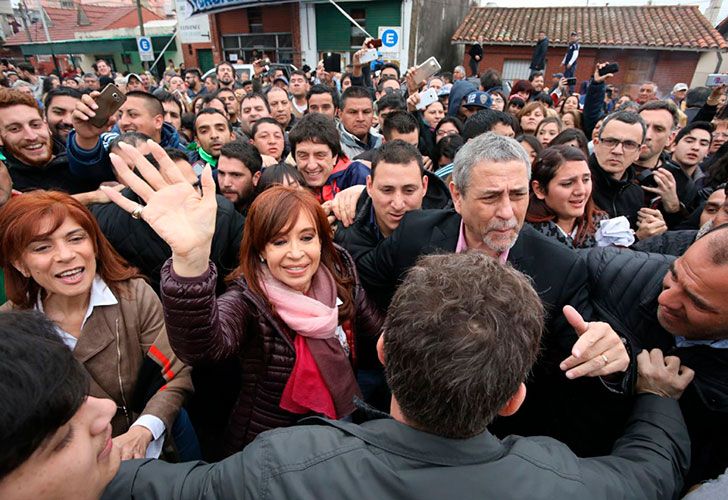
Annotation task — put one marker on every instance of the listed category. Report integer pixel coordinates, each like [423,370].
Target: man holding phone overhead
[88,155]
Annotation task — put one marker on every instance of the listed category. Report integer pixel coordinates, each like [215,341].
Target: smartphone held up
[108,101]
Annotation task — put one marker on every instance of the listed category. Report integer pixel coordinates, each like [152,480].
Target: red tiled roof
[63,23]
[656,27]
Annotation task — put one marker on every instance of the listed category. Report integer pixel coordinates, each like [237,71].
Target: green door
[204,59]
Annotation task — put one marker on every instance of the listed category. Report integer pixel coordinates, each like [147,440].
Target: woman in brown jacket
[56,260]
[294,313]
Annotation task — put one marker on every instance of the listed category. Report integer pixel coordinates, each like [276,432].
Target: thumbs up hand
[598,352]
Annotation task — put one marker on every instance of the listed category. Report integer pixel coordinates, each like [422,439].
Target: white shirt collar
[101,295]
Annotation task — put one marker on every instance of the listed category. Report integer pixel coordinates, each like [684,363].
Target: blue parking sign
[390,38]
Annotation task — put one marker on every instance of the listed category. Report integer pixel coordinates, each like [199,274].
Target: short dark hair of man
[324,89]
[447,147]
[278,174]
[534,75]
[697,97]
[256,95]
[176,154]
[627,117]
[397,152]
[316,128]
[131,138]
[483,121]
[490,79]
[60,92]
[668,106]
[42,386]
[193,71]
[188,121]
[707,126]
[544,98]
[401,122]
[152,102]
[261,121]
[299,73]
[355,93]
[213,111]
[393,66]
[165,96]
[208,98]
[461,334]
[246,153]
[391,102]
[26,66]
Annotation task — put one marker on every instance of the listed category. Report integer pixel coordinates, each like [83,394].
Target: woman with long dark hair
[561,204]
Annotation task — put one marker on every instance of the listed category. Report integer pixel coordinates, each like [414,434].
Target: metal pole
[174,34]
[141,27]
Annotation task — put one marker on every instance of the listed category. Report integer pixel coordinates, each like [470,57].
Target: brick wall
[663,67]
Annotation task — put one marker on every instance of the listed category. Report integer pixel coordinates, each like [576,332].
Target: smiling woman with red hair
[57,261]
[294,314]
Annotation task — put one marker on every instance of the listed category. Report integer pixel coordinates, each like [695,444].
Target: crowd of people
[420,281]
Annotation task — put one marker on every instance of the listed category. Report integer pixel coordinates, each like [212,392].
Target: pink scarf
[322,379]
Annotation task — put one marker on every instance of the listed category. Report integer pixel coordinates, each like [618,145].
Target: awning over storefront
[81,46]
[213,6]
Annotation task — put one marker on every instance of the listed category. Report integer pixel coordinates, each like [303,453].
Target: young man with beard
[88,154]
[33,158]
[193,77]
[212,132]
[238,171]
[225,74]
[59,105]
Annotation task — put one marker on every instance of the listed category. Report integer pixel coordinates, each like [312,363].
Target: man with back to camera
[490,193]
[479,323]
[88,155]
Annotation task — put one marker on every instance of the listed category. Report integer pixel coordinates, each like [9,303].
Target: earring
[261,258]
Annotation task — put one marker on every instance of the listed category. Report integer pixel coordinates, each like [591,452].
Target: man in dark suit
[490,195]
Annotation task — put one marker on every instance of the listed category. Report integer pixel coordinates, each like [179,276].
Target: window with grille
[250,46]
[357,35]
[255,20]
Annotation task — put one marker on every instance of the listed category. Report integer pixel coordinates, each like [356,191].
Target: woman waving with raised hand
[294,313]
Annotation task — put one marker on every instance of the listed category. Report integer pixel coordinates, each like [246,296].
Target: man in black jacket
[476,56]
[459,340]
[679,307]
[490,194]
[34,159]
[538,60]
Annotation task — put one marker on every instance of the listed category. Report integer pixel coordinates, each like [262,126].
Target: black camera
[647,178]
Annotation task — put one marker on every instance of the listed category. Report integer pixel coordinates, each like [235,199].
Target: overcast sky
[593,3]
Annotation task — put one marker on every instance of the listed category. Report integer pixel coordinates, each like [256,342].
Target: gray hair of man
[488,147]
[461,69]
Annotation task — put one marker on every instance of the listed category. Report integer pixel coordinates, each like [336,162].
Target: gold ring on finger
[137,212]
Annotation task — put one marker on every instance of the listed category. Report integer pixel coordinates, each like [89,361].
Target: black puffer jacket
[669,243]
[203,328]
[624,288]
[54,175]
[144,249]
